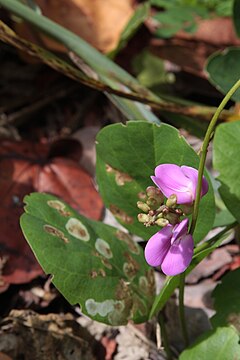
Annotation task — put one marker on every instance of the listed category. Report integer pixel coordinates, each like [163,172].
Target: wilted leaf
[92,264]
[27,167]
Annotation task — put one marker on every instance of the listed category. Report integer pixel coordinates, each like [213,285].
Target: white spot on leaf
[59,206]
[56,204]
[102,308]
[77,229]
[103,248]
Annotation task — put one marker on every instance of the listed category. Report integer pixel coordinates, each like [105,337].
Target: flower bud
[142,195]
[151,191]
[143,218]
[172,201]
[162,222]
[155,193]
[152,203]
[172,218]
[143,206]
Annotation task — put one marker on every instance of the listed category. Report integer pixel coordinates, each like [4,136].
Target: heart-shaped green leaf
[93,264]
[223,69]
[127,157]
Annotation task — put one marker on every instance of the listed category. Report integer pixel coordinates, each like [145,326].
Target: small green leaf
[92,264]
[178,17]
[223,69]
[127,157]
[220,344]
[227,301]
[227,162]
[150,69]
[225,8]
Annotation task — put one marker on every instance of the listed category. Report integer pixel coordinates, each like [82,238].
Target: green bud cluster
[155,212]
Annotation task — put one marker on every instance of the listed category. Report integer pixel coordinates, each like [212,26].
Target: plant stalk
[164,336]
[182,309]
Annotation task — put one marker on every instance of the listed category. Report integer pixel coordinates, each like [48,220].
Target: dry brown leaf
[99,22]
[26,167]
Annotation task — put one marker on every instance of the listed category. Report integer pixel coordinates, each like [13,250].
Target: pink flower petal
[180,230]
[192,174]
[158,246]
[171,180]
[179,256]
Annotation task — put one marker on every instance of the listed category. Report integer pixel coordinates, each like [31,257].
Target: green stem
[164,335]
[182,309]
[207,139]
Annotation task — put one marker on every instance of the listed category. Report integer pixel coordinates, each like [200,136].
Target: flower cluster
[172,246]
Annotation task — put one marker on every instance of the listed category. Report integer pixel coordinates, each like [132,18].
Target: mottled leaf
[93,264]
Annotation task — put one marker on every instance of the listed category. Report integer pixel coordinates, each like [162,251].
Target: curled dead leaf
[26,167]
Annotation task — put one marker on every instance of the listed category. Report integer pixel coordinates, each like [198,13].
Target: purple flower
[171,248]
[178,180]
